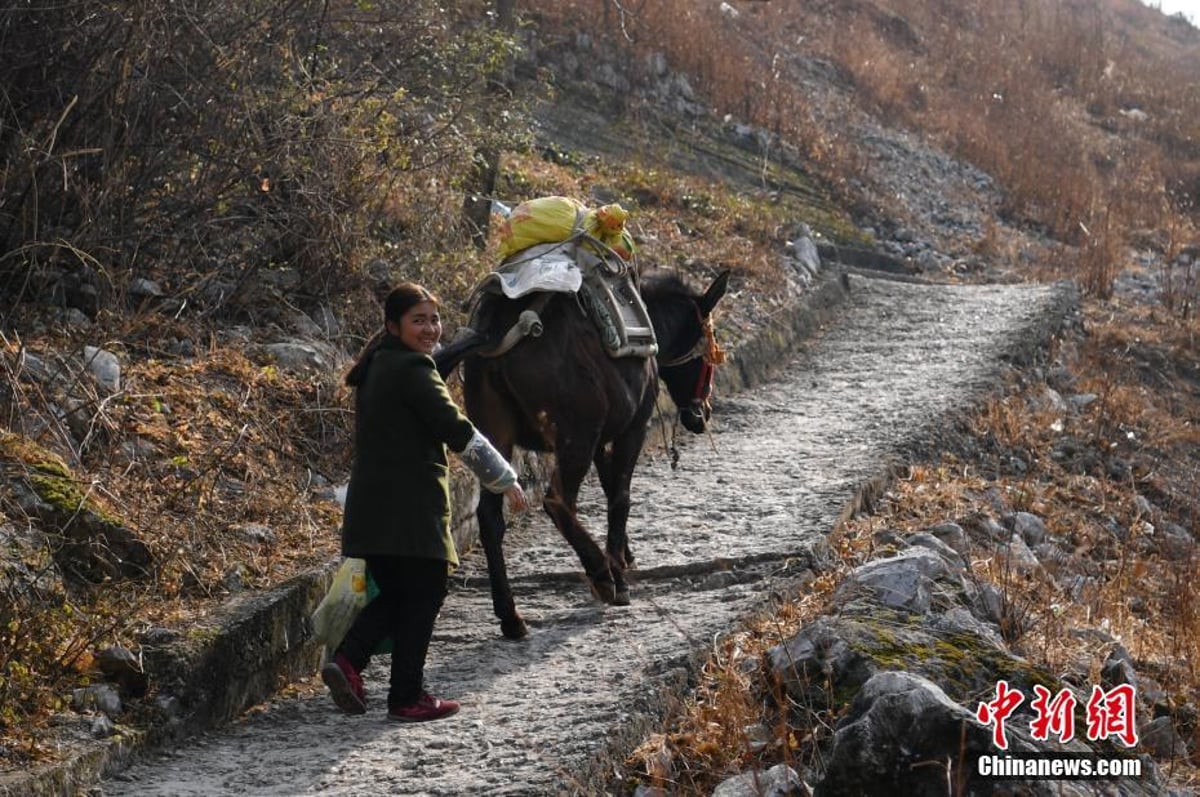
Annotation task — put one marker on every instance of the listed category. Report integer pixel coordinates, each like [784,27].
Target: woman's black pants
[410,596]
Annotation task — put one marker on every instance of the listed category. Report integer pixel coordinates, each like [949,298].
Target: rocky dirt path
[737,523]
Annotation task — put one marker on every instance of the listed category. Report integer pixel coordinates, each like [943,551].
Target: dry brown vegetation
[320,172]
[1145,413]
[1088,114]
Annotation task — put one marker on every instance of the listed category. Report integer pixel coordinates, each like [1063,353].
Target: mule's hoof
[621,598]
[605,591]
[514,628]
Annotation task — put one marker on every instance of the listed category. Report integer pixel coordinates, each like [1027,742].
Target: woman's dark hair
[403,298]
[399,301]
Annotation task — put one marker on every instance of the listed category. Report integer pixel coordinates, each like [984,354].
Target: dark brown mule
[562,392]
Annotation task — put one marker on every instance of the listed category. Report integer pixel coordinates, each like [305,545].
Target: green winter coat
[398,499]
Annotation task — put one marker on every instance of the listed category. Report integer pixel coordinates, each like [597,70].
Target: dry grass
[733,721]
[1086,113]
[1138,596]
[677,220]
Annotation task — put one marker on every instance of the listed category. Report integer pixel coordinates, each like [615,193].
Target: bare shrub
[1100,255]
[211,142]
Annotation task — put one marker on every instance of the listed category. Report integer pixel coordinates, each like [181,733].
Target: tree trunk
[505,15]
[481,182]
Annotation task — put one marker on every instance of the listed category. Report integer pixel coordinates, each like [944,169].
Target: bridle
[706,348]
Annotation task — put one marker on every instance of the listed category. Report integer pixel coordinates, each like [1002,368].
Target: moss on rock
[88,542]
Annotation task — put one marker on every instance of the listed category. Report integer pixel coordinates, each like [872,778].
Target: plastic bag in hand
[346,597]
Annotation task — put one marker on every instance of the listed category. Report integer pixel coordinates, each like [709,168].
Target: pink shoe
[425,709]
[345,685]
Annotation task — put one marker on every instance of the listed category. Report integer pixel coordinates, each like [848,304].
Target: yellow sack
[538,221]
[606,220]
[607,225]
[346,597]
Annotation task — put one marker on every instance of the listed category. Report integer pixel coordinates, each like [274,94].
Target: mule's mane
[662,284]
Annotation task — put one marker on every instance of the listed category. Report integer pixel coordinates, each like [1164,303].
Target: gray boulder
[778,781]
[903,735]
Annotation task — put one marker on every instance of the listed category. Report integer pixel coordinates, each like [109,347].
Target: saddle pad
[545,267]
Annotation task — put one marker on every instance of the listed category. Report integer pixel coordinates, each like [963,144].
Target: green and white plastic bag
[346,597]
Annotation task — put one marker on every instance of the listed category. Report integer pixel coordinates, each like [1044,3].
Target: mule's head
[688,353]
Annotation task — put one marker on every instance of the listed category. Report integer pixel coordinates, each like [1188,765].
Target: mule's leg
[617,502]
[614,465]
[490,514]
[493,414]
[572,460]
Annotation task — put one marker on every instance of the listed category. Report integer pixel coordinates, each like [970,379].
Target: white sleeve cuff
[493,472]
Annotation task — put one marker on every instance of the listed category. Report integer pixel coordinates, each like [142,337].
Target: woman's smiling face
[420,327]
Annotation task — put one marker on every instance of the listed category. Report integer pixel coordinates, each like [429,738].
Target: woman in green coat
[397,514]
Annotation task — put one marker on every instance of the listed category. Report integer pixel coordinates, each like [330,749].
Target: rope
[713,353]
[706,347]
[672,451]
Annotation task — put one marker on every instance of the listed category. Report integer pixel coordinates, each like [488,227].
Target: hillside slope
[946,219]
[206,417]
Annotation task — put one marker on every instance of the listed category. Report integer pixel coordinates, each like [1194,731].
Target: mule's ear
[714,293]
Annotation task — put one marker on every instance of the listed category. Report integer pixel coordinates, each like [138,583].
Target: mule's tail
[466,342]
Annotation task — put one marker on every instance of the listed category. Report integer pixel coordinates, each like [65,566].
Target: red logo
[1109,714]
[997,711]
